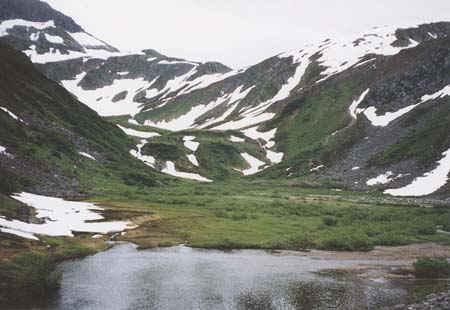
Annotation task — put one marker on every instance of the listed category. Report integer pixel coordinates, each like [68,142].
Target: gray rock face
[37,11]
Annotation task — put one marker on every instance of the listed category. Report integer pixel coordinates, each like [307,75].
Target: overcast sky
[238,32]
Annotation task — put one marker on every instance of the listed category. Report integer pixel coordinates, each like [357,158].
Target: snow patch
[381,179]
[139,134]
[274,157]
[11,114]
[54,39]
[87,155]
[428,183]
[315,168]
[62,218]
[190,143]
[6,25]
[386,119]
[170,169]
[105,106]
[236,139]
[353,109]
[254,163]
[146,159]
[86,40]
[192,159]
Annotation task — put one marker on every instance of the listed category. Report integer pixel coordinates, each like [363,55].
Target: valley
[327,157]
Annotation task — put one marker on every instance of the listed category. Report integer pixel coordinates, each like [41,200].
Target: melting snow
[170,169]
[11,114]
[54,39]
[147,159]
[353,109]
[236,139]
[9,24]
[62,218]
[188,120]
[315,168]
[254,163]
[87,155]
[192,159]
[428,183]
[3,151]
[190,144]
[274,157]
[381,179]
[86,40]
[386,119]
[139,134]
[105,106]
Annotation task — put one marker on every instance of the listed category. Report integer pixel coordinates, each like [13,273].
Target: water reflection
[183,278]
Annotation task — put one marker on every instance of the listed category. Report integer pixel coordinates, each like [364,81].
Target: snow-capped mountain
[361,110]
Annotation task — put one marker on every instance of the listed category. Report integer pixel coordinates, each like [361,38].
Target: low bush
[30,276]
[391,239]
[329,221]
[431,267]
[347,242]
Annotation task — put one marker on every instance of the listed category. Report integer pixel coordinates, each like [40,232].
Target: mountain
[51,143]
[367,111]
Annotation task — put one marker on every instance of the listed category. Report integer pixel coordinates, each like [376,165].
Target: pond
[184,278]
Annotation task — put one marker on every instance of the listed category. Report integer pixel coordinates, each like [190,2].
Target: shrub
[329,221]
[431,267]
[425,228]
[30,276]
[347,242]
[301,242]
[221,213]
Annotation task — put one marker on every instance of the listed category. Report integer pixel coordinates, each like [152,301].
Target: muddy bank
[406,252]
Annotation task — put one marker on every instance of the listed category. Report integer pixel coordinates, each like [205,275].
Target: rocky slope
[368,111]
[51,143]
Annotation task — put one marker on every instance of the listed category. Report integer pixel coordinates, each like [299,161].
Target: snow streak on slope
[187,120]
[146,159]
[89,156]
[428,183]
[61,218]
[254,163]
[170,169]
[190,143]
[7,25]
[353,109]
[14,116]
[386,119]
[137,133]
[101,99]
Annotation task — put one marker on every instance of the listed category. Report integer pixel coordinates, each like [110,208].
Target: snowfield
[428,183]
[60,218]
[386,119]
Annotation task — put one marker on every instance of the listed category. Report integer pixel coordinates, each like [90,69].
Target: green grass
[268,215]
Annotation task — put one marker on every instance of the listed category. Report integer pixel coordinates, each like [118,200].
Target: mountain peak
[36,11]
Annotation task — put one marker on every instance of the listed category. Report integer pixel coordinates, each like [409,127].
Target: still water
[184,278]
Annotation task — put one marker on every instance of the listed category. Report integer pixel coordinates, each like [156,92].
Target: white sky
[238,32]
